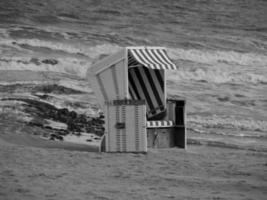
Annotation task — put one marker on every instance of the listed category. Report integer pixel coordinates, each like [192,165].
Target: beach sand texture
[201,172]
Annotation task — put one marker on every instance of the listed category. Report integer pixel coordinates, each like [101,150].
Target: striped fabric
[151,58]
[148,84]
[155,124]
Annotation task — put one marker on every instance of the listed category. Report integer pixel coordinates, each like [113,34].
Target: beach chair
[138,74]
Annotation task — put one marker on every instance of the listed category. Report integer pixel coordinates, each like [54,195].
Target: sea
[220,47]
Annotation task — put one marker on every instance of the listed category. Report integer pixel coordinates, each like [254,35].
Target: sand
[200,172]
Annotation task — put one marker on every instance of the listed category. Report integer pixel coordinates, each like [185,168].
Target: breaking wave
[72,48]
[69,66]
[219,66]
[194,55]
[219,75]
[199,65]
[215,56]
[230,122]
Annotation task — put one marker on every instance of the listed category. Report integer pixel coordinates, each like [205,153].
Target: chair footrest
[155,124]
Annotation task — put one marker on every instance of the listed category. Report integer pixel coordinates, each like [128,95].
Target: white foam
[231,122]
[219,66]
[196,55]
[73,48]
[219,75]
[4,32]
[215,56]
[214,65]
[76,85]
[24,82]
[65,65]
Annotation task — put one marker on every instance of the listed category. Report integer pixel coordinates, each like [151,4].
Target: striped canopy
[153,58]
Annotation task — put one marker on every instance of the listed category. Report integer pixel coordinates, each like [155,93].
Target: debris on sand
[61,124]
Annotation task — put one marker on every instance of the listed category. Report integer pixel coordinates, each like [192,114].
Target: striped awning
[150,57]
[159,124]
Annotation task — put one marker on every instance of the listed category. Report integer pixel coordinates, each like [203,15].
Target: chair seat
[158,124]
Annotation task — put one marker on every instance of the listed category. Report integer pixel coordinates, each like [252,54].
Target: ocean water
[219,46]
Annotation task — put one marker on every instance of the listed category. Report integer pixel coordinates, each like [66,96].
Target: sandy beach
[200,172]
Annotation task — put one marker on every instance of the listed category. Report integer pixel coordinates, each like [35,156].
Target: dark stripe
[148,59]
[167,61]
[152,84]
[156,59]
[141,81]
[131,60]
[167,58]
[133,85]
[140,58]
[131,94]
[159,57]
[152,58]
[158,74]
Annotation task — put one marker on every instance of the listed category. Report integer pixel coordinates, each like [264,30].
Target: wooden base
[166,137]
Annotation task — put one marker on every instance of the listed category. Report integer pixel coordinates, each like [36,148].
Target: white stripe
[159,59]
[171,64]
[158,53]
[154,58]
[137,57]
[151,124]
[148,55]
[149,63]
